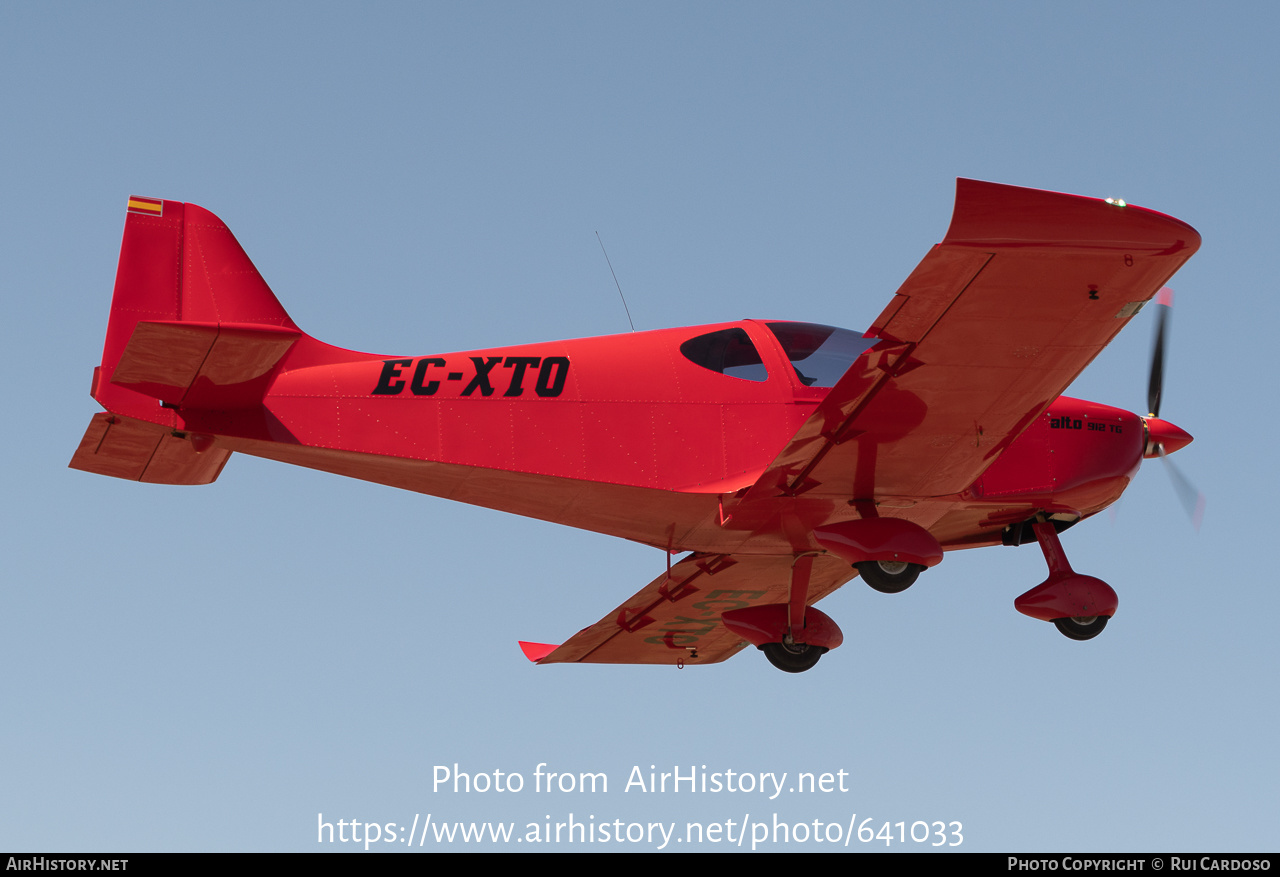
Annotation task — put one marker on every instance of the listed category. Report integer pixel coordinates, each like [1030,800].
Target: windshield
[819,354]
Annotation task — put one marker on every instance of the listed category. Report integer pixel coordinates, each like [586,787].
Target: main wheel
[889,576]
[1081,627]
[793,658]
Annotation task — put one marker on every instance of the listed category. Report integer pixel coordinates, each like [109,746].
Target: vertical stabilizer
[193,327]
[178,263]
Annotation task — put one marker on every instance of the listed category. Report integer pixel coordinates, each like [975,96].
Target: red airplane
[785,457]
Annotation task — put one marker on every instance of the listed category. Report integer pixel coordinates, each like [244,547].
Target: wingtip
[535,652]
[990,214]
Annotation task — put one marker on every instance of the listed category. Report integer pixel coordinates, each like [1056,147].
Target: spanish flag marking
[149,206]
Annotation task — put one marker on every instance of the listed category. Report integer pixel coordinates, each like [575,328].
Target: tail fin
[179,264]
[193,325]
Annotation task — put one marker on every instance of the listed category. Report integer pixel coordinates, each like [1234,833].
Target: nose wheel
[1081,627]
[1079,606]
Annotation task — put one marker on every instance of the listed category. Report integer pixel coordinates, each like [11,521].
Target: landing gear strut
[1079,606]
[792,635]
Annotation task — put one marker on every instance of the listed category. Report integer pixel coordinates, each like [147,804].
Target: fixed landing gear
[792,635]
[1081,627]
[889,576]
[889,553]
[792,657]
[1079,606]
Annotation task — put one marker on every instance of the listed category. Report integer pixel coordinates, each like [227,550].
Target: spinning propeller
[1163,438]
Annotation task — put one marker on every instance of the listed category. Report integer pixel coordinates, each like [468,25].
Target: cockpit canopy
[819,354]
[729,352]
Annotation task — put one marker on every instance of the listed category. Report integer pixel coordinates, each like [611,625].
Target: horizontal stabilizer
[202,365]
[122,447]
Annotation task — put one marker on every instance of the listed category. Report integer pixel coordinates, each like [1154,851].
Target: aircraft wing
[676,617]
[1023,292]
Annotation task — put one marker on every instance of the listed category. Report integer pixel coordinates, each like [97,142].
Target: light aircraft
[781,458]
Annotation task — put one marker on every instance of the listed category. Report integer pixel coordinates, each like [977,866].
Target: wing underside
[676,617]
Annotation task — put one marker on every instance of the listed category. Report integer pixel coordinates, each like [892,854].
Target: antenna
[616,283]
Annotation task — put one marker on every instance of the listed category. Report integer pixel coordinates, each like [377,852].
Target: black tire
[794,658]
[1082,628]
[889,577]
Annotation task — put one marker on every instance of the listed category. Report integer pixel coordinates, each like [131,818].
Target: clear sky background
[210,668]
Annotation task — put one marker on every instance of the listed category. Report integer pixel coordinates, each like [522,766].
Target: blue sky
[211,668]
